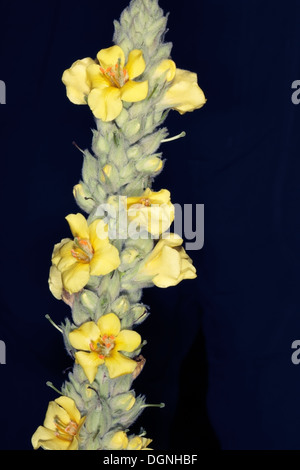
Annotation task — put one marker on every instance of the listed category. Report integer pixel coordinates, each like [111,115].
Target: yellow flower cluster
[61,428]
[106,82]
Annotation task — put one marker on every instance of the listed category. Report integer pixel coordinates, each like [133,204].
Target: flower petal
[105,103]
[127,340]
[68,404]
[81,337]
[168,268]
[67,260]
[167,67]
[54,411]
[47,439]
[98,234]
[78,225]
[97,79]
[74,444]
[55,282]
[56,250]
[77,82]
[134,91]
[184,94]
[110,56]
[105,261]
[75,278]
[118,365]
[90,363]
[109,324]
[135,64]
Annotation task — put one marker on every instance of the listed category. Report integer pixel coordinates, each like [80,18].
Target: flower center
[63,432]
[145,201]
[103,345]
[117,75]
[83,250]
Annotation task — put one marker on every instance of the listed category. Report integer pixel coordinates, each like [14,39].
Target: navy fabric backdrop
[219,347]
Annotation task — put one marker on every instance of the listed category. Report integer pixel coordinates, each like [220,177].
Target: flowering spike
[102,269]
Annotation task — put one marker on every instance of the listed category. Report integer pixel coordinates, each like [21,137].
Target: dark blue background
[219,347]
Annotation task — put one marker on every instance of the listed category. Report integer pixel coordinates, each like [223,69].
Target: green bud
[94,420]
[83,197]
[132,127]
[135,295]
[122,402]
[143,245]
[134,152]
[100,144]
[127,173]
[127,418]
[152,142]
[150,164]
[89,169]
[129,257]
[89,300]
[79,313]
[109,176]
[140,313]
[118,156]
[120,306]
[110,284]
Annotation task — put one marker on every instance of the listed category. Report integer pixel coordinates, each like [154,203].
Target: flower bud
[127,173]
[89,169]
[120,306]
[129,257]
[122,402]
[110,285]
[83,197]
[132,127]
[134,152]
[139,313]
[89,300]
[109,176]
[105,173]
[143,245]
[100,144]
[79,313]
[115,441]
[150,164]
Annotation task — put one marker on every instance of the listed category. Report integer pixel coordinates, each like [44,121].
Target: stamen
[83,250]
[145,201]
[117,75]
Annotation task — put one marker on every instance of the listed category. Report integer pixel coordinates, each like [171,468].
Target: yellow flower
[138,443]
[89,254]
[61,426]
[118,441]
[152,211]
[77,82]
[184,93]
[108,82]
[167,264]
[99,343]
